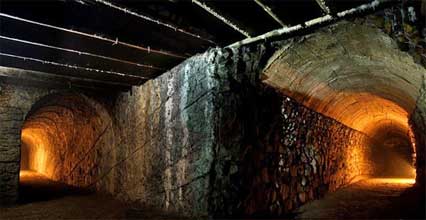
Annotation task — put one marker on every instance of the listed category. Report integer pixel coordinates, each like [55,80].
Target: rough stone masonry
[13,106]
[183,142]
[206,138]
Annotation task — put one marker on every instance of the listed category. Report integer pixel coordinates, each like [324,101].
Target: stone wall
[15,102]
[301,157]
[418,125]
[406,26]
[410,34]
[409,31]
[164,140]
[10,121]
[151,145]
[271,153]
[206,138]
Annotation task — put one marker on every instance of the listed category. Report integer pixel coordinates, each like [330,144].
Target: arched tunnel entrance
[334,127]
[59,141]
[356,75]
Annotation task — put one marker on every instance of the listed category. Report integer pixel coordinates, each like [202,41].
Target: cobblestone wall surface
[14,104]
[418,125]
[205,138]
[271,153]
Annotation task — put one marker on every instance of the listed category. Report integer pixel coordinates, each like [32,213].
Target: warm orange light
[39,150]
[394,180]
[413,172]
[25,173]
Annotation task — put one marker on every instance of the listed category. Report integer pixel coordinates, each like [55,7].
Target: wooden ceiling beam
[153,20]
[268,10]
[327,19]
[81,53]
[22,76]
[94,36]
[222,18]
[68,70]
[323,5]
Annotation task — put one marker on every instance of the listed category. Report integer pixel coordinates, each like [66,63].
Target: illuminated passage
[60,138]
[212,138]
[387,198]
[356,75]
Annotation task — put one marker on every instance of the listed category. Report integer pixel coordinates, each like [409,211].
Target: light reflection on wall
[367,86]
[62,136]
[410,181]
[356,158]
[38,149]
[366,108]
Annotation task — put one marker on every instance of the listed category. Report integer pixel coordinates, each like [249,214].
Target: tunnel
[354,76]
[358,77]
[59,141]
[176,109]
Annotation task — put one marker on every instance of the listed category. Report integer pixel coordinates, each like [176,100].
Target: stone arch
[63,137]
[355,74]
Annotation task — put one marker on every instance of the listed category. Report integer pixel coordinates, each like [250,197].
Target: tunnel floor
[375,198]
[42,198]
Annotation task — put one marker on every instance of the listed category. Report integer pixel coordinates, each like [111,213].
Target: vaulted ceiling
[353,73]
[119,43]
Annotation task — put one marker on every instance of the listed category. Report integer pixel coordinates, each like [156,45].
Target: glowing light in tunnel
[38,144]
[355,86]
[59,138]
[30,175]
[369,86]
[26,173]
[40,160]
[394,180]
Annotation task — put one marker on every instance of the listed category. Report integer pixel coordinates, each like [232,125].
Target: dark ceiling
[120,43]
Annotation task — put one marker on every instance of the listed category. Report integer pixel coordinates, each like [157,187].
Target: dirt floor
[41,198]
[379,198]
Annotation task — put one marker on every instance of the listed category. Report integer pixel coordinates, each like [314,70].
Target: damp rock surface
[217,135]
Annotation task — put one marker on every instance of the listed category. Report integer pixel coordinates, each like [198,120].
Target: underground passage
[260,109]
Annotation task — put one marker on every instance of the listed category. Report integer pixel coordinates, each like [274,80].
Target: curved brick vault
[59,138]
[353,73]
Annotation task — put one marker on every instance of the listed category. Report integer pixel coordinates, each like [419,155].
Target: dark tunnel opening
[394,155]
